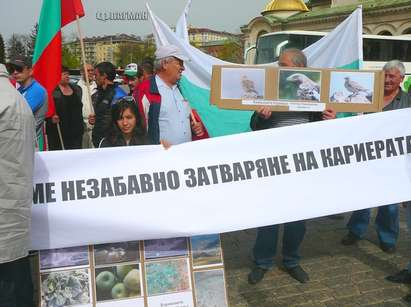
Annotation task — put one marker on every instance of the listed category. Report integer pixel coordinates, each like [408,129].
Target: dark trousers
[16,287]
[265,246]
[69,143]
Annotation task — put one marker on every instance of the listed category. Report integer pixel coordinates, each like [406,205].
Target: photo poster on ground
[296,89]
[178,272]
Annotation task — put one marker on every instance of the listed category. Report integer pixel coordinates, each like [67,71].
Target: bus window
[377,50]
[267,46]
[270,47]
[402,50]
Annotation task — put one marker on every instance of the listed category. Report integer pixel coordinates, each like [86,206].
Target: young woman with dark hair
[127,126]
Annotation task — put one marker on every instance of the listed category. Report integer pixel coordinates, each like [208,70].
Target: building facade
[380,17]
[203,37]
[104,48]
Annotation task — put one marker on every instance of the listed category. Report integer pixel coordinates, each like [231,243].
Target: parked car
[74,78]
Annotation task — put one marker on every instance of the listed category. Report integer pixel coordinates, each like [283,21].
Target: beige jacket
[86,100]
[17,131]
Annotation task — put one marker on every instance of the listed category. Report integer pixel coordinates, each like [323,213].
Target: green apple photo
[118,282]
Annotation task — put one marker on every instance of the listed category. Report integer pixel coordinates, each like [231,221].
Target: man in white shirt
[168,115]
[87,104]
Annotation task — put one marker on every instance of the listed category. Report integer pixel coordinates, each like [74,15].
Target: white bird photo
[300,85]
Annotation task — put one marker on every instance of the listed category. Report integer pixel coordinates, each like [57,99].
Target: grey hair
[395,64]
[159,63]
[297,56]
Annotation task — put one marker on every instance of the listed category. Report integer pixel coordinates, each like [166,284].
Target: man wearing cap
[35,94]
[167,114]
[16,194]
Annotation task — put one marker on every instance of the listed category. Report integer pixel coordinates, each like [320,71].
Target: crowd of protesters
[97,112]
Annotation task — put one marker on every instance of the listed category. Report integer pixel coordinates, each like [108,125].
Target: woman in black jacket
[127,126]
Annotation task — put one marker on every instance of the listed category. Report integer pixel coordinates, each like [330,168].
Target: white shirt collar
[161,83]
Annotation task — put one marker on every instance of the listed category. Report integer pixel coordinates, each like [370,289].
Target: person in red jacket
[167,114]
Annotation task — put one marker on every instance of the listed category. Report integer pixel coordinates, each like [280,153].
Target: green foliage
[133,53]
[15,46]
[231,52]
[2,50]
[31,40]
[69,59]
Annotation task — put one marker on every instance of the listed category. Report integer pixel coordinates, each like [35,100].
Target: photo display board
[178,272]
[297,89]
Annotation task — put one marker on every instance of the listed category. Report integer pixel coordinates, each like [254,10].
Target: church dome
[285,5]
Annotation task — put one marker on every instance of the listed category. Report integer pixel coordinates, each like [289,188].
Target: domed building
[382,17]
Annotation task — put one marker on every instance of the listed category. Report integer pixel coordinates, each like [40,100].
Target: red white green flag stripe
[54,15]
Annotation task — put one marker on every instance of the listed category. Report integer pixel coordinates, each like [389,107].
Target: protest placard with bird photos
[296,89]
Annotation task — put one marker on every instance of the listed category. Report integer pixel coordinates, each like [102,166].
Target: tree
[133,53]
[69,59]
[31,40]
[2,50]
[231,52]
[15,46]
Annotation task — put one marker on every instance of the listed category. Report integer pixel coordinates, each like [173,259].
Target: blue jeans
[16,288]
[265,246]
[387,223]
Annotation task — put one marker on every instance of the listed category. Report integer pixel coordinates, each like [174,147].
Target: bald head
[90,71]
[292,58]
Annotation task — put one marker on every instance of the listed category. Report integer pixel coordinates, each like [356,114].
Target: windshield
[269,47]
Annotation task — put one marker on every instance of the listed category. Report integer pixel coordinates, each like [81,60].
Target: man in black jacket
[107,94]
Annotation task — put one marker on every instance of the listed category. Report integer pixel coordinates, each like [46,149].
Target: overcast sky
[19,16]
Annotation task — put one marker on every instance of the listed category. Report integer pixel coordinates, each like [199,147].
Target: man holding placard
[387,221]
[266,243]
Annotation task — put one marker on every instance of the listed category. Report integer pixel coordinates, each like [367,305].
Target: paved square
[339,275]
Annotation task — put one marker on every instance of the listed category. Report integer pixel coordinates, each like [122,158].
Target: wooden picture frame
[314,89]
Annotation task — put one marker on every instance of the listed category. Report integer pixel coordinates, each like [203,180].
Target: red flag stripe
[47,70]
[69,10]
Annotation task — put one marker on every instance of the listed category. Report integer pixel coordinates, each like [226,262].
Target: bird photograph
[352,87]
[248,86]
[300,85]
[242,83]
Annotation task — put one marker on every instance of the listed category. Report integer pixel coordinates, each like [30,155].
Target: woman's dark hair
[65,69]
[114,135]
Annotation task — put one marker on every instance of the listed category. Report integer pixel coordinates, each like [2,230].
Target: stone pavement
[339,275]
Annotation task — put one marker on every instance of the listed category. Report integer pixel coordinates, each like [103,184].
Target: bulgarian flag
[54,15]
[341,48]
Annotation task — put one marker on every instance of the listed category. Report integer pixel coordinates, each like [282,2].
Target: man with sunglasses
[21,70]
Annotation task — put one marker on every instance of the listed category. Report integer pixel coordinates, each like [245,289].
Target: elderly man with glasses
[167,114]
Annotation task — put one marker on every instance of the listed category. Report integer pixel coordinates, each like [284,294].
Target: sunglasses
[12,68]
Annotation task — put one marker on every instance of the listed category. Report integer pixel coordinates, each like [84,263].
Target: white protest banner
[223,184]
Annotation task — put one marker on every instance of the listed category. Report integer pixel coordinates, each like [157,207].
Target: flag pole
[83,56]
[60,136]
